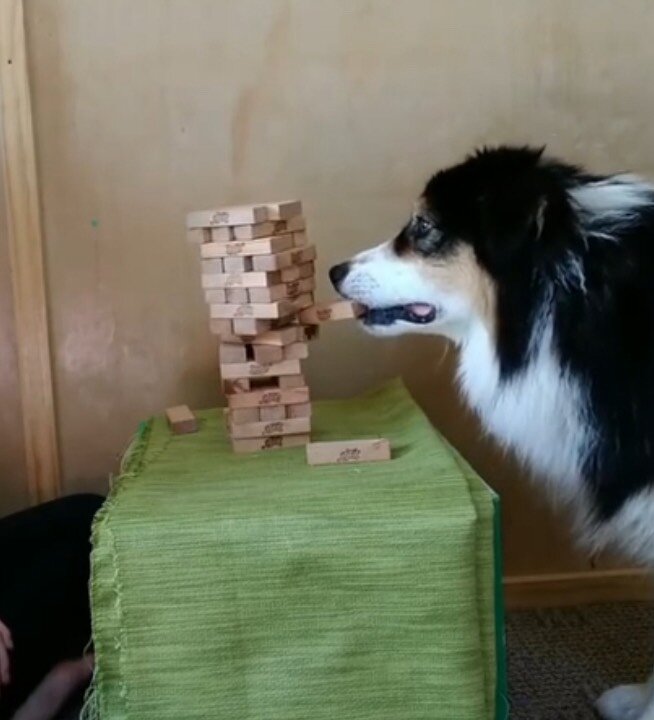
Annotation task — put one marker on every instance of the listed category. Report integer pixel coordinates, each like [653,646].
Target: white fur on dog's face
[455,285]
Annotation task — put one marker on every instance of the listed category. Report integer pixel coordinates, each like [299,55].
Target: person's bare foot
[56,688]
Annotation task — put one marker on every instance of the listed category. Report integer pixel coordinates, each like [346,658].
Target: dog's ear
[514,223]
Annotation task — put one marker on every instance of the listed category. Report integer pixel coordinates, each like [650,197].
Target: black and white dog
[543,276]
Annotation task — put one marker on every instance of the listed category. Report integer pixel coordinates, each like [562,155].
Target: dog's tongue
[420,309]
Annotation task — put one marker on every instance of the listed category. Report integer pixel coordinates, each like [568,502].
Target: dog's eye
[421,227]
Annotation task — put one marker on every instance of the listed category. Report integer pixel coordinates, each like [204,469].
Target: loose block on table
[181,420]
[348,451]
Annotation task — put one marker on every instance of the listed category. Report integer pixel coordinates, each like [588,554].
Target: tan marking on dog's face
[459,273]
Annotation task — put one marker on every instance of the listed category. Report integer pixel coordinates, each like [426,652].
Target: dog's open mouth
[416,313]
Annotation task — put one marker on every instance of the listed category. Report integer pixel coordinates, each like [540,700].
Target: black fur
[514,208]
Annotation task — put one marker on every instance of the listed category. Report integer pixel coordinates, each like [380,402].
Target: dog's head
[477,227]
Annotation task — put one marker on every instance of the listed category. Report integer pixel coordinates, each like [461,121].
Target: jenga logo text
[234,248]
[270,398]
[349,455]
[218,218]
[272,442]
[273,428]
[243,311]
[293,288]
[257,369]
[324,314]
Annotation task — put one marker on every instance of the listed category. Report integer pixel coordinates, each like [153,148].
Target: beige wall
[145,109]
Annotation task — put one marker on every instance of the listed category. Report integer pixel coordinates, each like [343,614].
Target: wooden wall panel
[145,110]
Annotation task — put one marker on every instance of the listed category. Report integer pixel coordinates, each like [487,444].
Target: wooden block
[283,336]
[348,451]
[281,291]
[299,410]
[300,239]
[253,369]
[221,234]
[240,279]
[287,382]
[280,260]
[284,210]
[262,246]
[302,302]
[296,351]
[232,353]
[275,427]
[296,224]
[197,236]
[212,267]
[253,310]
[250,326]
[236,386]
[220,327]
[235,215]
[237,296]
[269,396]
[250,232]
[266,354]
[216,295]
[270,443]
[323,312]
[307,270]
[289,274]
[242,416]
[181,420]
[271,412]
[237,264]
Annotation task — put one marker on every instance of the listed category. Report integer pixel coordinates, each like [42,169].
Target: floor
[559,661]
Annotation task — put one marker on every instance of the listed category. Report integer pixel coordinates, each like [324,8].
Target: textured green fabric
[259,588]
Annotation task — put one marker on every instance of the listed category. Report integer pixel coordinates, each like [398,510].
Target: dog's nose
[338,273]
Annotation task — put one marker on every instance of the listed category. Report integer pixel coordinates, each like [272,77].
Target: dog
[542,275]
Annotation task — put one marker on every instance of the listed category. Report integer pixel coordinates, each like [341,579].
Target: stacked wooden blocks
[257,275]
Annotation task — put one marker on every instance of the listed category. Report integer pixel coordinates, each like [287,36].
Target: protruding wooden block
[197,236]
[274,427]
[324,312]
[296,224]
[262,246]
[253,310]
[236,386]
[221,234]
[269,396]
[291,381]
[181,420]
[283,336]
[271,412]
[232,353]
[220,327]
[235,215]
[250,326]
[344,452]
[242,416]
[216,295]
[307,270]
[288,274]
[299,410]
[300,239]
[301,302]
[278,442]
[254,370]
[251,232]
[212,267]
[266,354]
[237,264]
[296,351]
[280,260]
[284,210]
[237,296]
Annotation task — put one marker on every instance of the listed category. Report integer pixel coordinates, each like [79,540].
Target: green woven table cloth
[256,587]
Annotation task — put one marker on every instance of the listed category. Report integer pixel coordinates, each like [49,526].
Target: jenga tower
[258,274]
